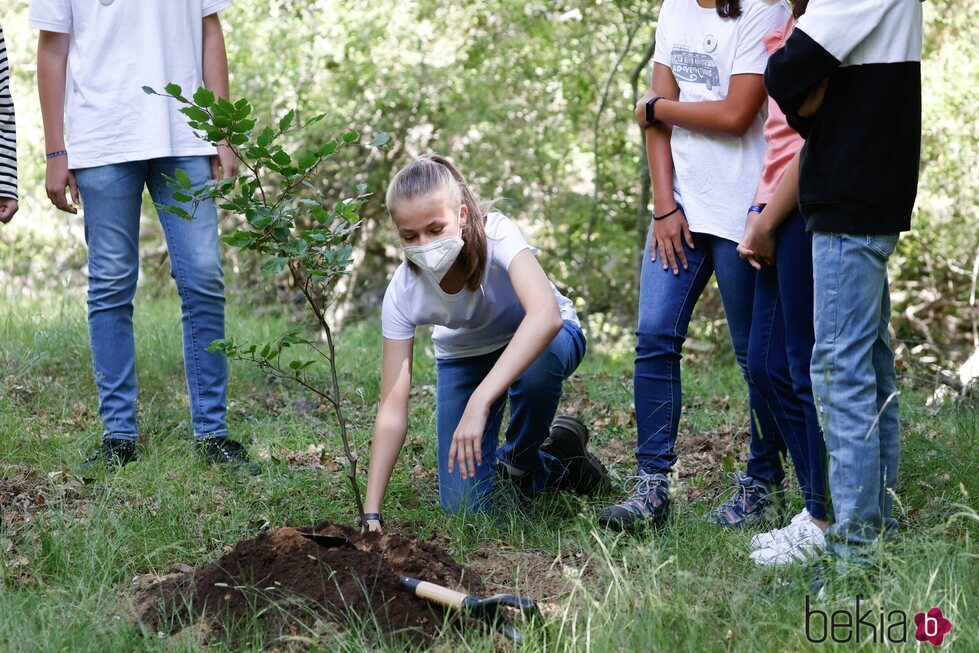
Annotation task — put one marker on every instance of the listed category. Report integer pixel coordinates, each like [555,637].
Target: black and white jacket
[8,137]
[859,169]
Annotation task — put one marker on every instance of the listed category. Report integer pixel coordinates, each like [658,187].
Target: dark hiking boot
[568,442]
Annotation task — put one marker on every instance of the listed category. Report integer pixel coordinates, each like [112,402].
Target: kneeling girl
[501,330]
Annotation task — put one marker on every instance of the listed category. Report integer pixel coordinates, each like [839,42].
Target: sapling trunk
[335,401]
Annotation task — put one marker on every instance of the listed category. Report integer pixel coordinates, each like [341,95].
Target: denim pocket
[883,244]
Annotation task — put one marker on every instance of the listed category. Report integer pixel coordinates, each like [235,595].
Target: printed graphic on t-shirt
[694,67]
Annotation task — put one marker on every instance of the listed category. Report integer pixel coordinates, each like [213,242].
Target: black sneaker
[225,451]
[111,454]
[568,442]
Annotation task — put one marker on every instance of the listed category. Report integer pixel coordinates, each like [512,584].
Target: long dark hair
[431,173]
[799,7]
[728,8]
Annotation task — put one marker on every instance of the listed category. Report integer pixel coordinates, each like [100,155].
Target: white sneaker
[772,537]
[808,541]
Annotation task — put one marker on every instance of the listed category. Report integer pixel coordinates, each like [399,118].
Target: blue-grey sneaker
[648,504]
[751,503]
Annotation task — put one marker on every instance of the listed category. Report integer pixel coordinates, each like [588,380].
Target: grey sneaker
[751,503]
[648,504]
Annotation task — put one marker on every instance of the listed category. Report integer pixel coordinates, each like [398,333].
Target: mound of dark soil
[285,577]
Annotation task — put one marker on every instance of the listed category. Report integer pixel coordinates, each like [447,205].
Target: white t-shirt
[715,177]
[114,50]
[468,323]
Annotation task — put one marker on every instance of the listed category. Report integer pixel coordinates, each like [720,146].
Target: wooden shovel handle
[441,595]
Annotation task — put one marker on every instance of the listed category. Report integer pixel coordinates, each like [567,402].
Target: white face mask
[436,257]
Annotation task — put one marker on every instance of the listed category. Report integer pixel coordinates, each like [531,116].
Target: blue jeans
[779,354]
[534,399]
[854,380]
[112,196]
[666,303]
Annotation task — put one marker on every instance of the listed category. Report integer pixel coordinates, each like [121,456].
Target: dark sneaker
[648,504]
[751,503]
[568,442]
[111,454]
[225,451]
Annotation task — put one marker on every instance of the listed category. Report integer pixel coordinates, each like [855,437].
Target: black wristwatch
[651,110]
[371,516]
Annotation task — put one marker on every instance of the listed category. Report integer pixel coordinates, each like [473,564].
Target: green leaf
[286,120]
[204,97]
[282,158]
[220,110]
[173,89]
[275,265]
[182,178]
[308,160]
[182,197]
[149,91]
[174,210]
[380,139]
[215,136]
[195,113]
[245,125]
[239,139]
[329,149]
[258,153]
[266,137]
[351,137]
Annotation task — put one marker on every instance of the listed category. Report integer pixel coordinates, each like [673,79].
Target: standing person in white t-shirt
[704,118]
[501,330]
[93,60]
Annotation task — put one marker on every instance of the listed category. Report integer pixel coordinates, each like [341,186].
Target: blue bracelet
[756,208]
[52,155]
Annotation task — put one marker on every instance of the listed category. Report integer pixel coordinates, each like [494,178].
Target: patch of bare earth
[544,577]
[22,496]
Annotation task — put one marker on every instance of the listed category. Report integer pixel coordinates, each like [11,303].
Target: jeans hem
[131,437]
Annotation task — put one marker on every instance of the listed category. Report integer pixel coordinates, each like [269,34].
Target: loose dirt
[284,578]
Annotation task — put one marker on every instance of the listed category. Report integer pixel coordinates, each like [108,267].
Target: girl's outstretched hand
[374,526]
[466,448]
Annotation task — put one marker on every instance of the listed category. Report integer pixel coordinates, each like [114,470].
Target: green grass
[68,572]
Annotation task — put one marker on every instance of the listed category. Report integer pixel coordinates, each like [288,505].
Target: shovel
[489,609]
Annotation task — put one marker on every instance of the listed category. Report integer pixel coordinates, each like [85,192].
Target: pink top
[783,141]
